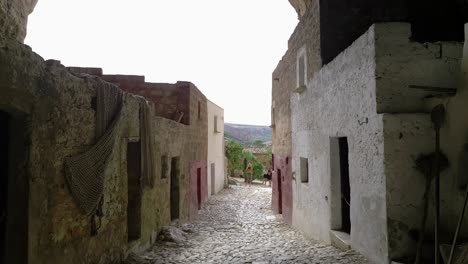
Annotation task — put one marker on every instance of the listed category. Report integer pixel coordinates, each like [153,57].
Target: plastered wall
[342,98]
[216,155]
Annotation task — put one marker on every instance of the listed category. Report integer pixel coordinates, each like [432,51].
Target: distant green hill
[247,134]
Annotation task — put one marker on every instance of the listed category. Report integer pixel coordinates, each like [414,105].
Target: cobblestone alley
[238,226]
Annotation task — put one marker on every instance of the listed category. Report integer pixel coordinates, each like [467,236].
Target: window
[304,166]
[164,167]
[216,125]
[199,110]
[301,70]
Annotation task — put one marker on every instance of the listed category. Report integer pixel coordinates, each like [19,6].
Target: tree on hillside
[234,154]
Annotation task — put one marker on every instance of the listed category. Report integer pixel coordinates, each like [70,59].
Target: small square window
[164,167]
[304,166]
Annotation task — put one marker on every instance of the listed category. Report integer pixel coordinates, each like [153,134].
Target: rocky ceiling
[301,6]
[14,18]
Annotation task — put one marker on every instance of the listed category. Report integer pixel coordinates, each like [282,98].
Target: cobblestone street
[238,226]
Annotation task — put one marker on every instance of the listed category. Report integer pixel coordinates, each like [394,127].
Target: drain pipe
[437,117]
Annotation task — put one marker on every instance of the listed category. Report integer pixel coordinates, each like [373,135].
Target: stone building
[217,177]
[352,99]
[93,165]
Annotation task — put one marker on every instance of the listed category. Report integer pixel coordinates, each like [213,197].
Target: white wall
[215,148]
[340,101]
[364,95]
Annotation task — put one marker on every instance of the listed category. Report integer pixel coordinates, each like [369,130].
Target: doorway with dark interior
[345,186]
[213,179]
[4,139]
[340,185]
[199,192]
[175,188]
[14,188]
[134,190]
[280,191]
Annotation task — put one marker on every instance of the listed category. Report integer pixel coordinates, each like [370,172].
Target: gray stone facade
[368,96]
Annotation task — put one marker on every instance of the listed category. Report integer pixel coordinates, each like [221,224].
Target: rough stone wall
[301,6]
[199,148]
[306,37]
[342,99]
[14,18]
[58,107]
[306,34]
[370,77]
[187,140]
[409,132]
[170,100]
[406,137]
[171,139]
[215,148]
[402,63]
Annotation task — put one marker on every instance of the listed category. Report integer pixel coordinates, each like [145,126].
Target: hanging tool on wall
[460,220]
[438,118]
[425,164]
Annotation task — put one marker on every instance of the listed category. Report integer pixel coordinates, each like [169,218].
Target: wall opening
[175,188]
[14,189]
[217,128]
[340,185]
[304,167]
[199,196]
[280,192]
[199,110]
[213,178]
[301,68]
[134,190]
[345,186]
[164,167]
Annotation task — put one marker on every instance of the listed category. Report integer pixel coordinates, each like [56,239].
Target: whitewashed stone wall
[364,95]
[340,102]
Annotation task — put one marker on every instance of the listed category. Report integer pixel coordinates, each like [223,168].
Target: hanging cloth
[85,172]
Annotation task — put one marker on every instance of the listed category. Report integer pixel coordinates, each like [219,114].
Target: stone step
[340,240]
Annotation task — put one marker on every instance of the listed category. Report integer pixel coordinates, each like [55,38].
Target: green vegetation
[270,153]
[236,155]
[258,144]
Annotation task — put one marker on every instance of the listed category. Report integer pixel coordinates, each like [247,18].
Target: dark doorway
[199,196]
[4,139]
[14,189]
[213,179]
[175,191]
[280,192]
[345,186]
[134,190]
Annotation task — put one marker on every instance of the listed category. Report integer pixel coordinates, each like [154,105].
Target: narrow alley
[238,226]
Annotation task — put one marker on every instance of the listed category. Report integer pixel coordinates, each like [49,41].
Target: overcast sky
[227,48]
